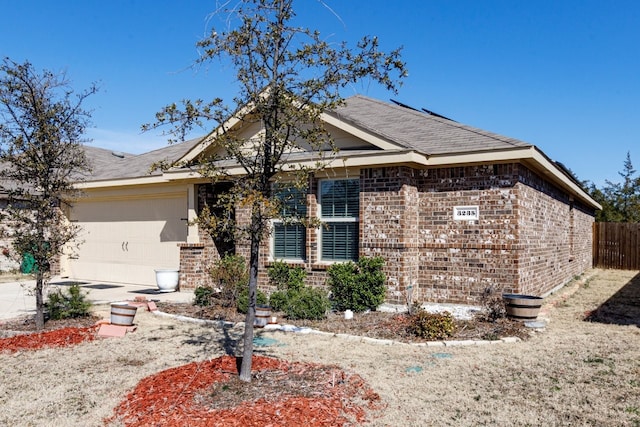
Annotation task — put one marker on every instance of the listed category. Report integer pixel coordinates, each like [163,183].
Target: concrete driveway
[17,299]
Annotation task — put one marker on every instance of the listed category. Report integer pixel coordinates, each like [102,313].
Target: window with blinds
[339,209]
[289,238]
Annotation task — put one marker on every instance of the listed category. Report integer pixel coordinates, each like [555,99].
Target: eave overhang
[529,156]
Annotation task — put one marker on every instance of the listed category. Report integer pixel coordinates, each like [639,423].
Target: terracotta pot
[522,307]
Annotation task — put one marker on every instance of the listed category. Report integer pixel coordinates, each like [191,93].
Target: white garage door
[125,240]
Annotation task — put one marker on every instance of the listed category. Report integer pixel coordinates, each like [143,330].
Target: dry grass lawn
[574,373]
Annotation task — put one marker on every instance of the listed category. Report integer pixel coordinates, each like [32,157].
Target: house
[452,209]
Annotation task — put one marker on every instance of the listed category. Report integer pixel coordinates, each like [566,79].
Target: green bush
[306,303]
[432,326]
[293,297]
[242,299]
[204,296]
[278,300]
[62,305]
[284,277]
[358,287]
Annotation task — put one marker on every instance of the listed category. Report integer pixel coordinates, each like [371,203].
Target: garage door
[125,240]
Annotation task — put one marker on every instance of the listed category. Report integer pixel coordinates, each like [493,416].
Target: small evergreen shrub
[293,297]
[242,299]
[284,277]
[203,296]
[432,326]
[61,305]
[278,300]
[307,303]
[358,287]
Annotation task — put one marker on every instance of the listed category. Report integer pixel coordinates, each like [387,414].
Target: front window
[339,209]
[289,236]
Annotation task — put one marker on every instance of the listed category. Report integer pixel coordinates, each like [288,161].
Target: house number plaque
[466,213]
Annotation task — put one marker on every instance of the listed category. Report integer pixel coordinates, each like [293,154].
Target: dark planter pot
[522,307]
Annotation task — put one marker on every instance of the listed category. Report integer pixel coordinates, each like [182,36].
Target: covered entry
[126,237]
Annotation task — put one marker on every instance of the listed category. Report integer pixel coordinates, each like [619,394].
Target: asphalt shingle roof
[405,127]
[107,164]
[426,133]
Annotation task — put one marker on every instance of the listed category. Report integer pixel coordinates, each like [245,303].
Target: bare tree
[288,77]
[41,155]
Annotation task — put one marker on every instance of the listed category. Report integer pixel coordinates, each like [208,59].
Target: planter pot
[522,307]
[123,314]
[263,315]
[167,280]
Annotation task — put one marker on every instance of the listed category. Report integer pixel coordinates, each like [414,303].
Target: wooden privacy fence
[616,245]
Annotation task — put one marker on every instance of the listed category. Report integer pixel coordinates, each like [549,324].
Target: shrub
[284,277]
[242,299]
[493,306]
[357,287]
[432,326]
[62,305]
[278,300]
[293,297]
[230,275]
[204,296]
[304,303]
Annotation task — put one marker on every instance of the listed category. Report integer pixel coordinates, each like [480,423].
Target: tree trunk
[39,300]
[247,350]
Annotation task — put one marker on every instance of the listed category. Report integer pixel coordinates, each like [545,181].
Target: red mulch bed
[209,393]
[198,394]
[49,339]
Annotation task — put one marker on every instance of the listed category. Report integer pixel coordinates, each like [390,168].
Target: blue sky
[563,75]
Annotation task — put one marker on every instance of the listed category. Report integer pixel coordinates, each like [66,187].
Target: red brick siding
[460,259]
[555,235]
[196,259]
[389,225]
[530,237]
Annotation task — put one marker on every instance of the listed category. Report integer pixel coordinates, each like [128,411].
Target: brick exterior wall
[196,259]
[555,234]
[460,259]
[530,236]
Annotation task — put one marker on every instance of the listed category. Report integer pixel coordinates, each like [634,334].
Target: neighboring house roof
[108,165]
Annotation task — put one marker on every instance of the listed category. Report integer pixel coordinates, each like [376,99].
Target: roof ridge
[108,150]
[192,141]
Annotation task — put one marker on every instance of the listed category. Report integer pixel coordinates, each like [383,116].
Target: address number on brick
[466,213]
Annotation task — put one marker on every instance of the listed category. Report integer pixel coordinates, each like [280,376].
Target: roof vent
[118,154]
